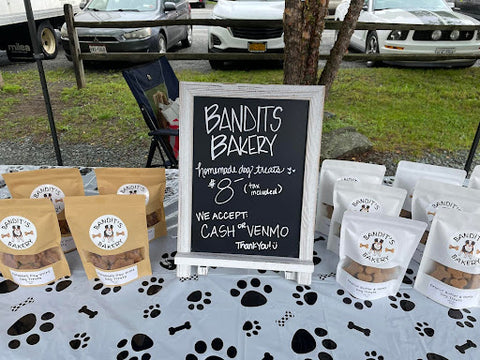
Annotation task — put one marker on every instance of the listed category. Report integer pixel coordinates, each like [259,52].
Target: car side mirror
[170,6]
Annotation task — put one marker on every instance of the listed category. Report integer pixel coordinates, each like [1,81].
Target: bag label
[108,232]
[52,193]
[17,232]
[134,189]
[366,290]
[118,277]
[31,278]
[455,298]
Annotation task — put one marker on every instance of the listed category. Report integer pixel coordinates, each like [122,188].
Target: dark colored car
[147,39]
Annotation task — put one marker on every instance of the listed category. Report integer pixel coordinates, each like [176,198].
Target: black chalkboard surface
[248,170]
[248,167]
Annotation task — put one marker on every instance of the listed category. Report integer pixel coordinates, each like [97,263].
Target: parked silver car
[146,39]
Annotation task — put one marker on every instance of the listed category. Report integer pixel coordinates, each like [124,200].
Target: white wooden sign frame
[299,269]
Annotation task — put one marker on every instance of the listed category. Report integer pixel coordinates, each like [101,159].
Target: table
[228,314]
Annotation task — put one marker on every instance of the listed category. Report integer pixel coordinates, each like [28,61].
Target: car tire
[47,40]
[161,44]
[188,41]
[372,47]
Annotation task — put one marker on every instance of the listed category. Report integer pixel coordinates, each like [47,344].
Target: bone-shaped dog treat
[478,252]
[120,233]
[58,200]
[462,348]
[431,213]
[173,330]
[97,235]
[5,235]
[91,314]
[453,247]
[364,245]
[392,250]
[29,233]
[365,331]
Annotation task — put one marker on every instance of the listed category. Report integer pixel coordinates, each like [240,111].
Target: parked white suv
[246,39]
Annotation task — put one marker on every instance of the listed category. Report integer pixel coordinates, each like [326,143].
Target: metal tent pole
[473,149]
[38,58]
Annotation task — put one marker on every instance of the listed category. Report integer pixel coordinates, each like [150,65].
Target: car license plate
[257,47]
[97,49]
[445,51]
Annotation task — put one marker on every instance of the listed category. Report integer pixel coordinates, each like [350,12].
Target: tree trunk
[341,45]
[303,23]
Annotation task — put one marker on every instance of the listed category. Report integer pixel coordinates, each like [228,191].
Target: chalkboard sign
[248,176]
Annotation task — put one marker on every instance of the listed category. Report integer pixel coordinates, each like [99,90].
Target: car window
[410,4]
[122,5]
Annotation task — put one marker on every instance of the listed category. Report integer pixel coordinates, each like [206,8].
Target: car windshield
[122,5]
[410,4]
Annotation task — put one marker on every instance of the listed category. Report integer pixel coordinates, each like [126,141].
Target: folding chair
[152,85]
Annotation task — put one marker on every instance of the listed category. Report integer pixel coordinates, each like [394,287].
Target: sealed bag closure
[375,251]
[431,195]
[341,170]
[52,184]
[110,232]
[449,272]
[408,173]
[362,197]
[149,182]
[30,252]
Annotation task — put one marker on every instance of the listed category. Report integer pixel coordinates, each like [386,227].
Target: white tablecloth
[228,314]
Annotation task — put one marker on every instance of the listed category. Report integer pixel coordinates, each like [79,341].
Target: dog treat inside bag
[111,236]
[375,251]
[408,173]
[450,269]
[51,184]
[431,195]
[362,197]
[474,181]
[341,170]
[30,252]
[149,182]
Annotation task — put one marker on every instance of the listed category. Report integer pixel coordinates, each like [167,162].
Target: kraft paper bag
[30,252]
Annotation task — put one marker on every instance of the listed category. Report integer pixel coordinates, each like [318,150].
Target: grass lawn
[407,110]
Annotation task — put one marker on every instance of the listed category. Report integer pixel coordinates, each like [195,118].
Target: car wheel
[216,64]
[372,47]
[161,44]
[47,40]
[187,42]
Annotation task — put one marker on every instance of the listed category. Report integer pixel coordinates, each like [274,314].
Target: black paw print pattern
[152,286]
[305,296]
[59,286]
[423,329]
[467,320]
[405,304]
[153,311]
[79,341]
[372,355]
[304,343]
[316,260]
[408,278]
[138,344]
[254,297]
[27,301]
[104,290]
[25,324]
[201,349]
[7,286]
[198,300]
[433,356]
[167,261]
[251,328]
[360,305]
[323,277]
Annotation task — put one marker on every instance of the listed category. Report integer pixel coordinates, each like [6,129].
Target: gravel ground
[28,153]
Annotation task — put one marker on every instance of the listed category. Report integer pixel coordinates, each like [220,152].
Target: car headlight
[454,35]
[398,35]
[139,33]
[64,32]
[436,35]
